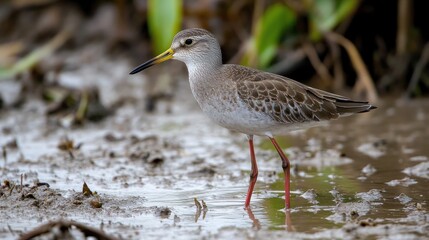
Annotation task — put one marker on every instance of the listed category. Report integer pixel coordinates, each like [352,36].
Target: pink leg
[286,170]
[253,173]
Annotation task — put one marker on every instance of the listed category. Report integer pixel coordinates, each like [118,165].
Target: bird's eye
[188,41]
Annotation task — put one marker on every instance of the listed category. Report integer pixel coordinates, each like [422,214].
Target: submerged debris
[328,157]
[405,182]
[68,145]
[86,191]
[4,154]
[75,106]
[348,211]
[96,203]
[201,208]
[207,171]
[114,137]
[368,170]
[62,229]
[204,205]
[419,158]
[197,204]
[419,170]
[403,199]
[12,144]
[367,223]
[310,195]
[370,196]
[375,149]
[95,200]
[338,197]
[163,212]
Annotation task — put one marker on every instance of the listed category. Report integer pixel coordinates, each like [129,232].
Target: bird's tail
[347,107]
[344,105]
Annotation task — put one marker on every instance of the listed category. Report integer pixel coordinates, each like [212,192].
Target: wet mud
[177,175]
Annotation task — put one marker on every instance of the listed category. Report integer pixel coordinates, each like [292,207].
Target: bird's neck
[203,80]
[204,69]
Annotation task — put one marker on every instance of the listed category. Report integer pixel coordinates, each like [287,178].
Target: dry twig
[317,64]
[65,225]
[424,58]
[404,20]
[364,82]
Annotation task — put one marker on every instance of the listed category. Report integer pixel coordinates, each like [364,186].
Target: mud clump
[163,212]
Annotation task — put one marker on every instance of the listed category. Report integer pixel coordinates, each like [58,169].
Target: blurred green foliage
[34,57]
[324,15]
[279,20]
[271,26]
[164,20]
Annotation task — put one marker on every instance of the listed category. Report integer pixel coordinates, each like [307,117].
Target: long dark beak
[158,59]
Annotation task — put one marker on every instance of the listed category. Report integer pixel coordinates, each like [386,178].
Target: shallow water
[365,175]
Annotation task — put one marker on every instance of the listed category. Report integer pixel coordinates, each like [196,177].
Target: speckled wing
[288,101]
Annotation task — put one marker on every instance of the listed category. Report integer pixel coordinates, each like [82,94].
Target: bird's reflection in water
[256,224]
[200,208]
[288,221]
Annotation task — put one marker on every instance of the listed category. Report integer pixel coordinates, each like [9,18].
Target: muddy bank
[362,176]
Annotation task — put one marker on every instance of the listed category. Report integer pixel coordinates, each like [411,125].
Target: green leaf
[342,10]
[275,21]
[325,15]
[164,21]
[267,55]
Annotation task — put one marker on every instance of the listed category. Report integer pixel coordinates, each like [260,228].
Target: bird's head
[192,46]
